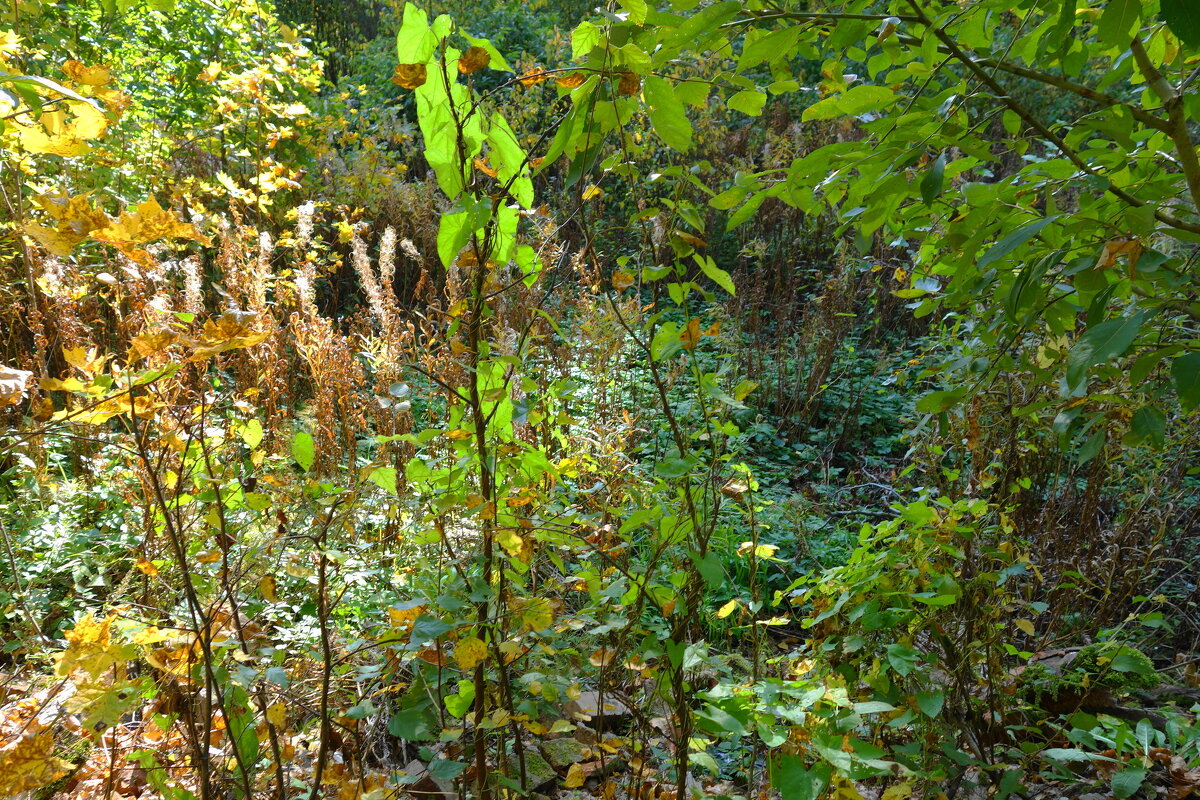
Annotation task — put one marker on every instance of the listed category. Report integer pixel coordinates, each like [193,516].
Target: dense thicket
[701,398]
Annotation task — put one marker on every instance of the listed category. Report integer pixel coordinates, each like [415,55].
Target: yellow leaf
[572,81]
[474,59]
[537,76]
[146,567]
[27,761]
[459,434]
[208,556]
[622,279]
[630,83]
[727,609]
[592,191]
[1026,626]
[601,658]
[575,777]
[89,76]
[410,76]
[277,715]
[469,651]
[510,541]
[898,791]
[268,587]
[534,612]
[90,648]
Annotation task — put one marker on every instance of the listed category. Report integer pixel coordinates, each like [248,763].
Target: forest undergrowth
[635,403]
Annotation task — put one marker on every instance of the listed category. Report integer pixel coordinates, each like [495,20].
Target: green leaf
[903,658]
[413,725]
[1148,423]
[717,275]
[361,710]
[710,568]
[931,703]
[1101,343]
[1119,21]
[1092,447]
[1126,782]
[446,770]
[667,114]
[384,478]
[931,184]
[936,402]
[303,450]
[637,10]
[794,782]
[1014,240]
[854,102]
[252,434]
[1185,371]
[585,38]
[748,102]
[415,41]
[1183,18]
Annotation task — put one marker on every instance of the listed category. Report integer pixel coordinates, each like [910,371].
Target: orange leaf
[572,81]
[475,59]
[410,76]
[530,78]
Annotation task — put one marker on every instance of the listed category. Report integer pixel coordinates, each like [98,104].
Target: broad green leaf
[1148,423]
[1014,240]
[710,568]
[1126,782]
[748,102]
[1119,21]
[931,703]
[636,9]
[1183,18]
[854,102]
[794,782]
[931,184]
[413,725]
[384,478]
[1185,371]
[585,38]
[667,114]
[415,41]
[903,658]
[717,275]
[445,770]
[303,450]
[1101,343]
[936,402]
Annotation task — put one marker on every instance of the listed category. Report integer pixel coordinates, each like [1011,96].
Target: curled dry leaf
[12,385]
[410,76]
[630,83]
[537,76]
[572,81]
[473,60]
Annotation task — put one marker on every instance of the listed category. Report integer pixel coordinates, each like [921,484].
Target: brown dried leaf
[630,83]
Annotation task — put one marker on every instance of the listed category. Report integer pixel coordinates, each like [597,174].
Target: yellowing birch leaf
[277,715]
[27,761]
[469,651]
[89,76]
